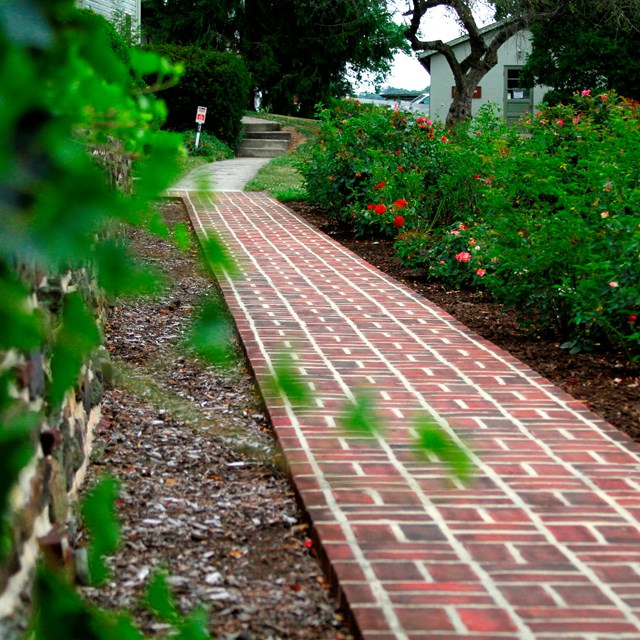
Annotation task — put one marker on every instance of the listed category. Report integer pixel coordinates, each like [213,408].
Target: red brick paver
[545,542]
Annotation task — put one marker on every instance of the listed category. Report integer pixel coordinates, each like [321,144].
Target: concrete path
[224,175]
[545,542]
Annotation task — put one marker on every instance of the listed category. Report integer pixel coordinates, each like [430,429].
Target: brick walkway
[544,544]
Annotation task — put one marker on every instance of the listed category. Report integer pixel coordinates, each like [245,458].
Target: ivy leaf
[433,439]
[98,512]
[159,598]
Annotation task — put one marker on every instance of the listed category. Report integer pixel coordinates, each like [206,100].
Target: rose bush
[544,221]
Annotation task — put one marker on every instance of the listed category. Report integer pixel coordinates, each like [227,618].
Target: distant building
[501,85]
[128,11]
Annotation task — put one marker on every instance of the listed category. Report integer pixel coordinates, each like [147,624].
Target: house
[501,85]
[125,13]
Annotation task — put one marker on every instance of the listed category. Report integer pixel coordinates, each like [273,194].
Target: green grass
[189,163]
[280,177]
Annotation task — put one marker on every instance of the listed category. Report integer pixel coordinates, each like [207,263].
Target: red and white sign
[201,115]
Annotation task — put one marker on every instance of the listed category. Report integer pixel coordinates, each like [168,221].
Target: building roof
[456,41]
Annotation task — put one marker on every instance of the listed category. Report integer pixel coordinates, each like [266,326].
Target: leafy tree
[513,16]
[203,23]
[299,52]
[588,46]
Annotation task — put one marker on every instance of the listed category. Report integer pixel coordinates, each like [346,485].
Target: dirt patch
[203,494]
[605,381]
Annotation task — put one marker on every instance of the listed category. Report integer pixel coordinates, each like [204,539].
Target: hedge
[218,81]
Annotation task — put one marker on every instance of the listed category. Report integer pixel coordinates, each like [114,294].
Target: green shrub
[218,81]
[564,207]
[374,164]
[548,222]
[208,146]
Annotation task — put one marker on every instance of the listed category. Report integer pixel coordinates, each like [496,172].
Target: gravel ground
[203,492]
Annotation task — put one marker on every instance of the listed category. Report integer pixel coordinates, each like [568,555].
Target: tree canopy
[590,45]
[299,52]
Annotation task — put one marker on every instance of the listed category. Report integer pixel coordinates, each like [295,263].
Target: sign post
[201,116]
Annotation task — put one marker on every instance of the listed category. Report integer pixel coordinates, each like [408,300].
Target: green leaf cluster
[61,614]
[75,113]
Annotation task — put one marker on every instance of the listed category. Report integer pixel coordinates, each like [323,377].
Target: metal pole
[198,134]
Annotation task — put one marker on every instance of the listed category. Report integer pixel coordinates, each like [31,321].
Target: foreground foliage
[67,96]
[548,222]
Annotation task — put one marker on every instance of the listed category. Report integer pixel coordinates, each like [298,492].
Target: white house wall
[514,52]
[107,7]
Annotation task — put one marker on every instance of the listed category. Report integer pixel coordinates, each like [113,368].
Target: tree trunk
[460,109]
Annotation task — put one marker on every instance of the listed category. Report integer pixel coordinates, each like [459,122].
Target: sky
[407,72]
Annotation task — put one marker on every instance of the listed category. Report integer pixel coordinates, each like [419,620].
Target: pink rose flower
[463,256]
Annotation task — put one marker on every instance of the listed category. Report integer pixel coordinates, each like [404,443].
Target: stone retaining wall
[42,515]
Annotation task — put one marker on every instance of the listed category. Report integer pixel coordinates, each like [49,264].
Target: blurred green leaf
[212,334]
[182,236]
[433,439]
[287,381]
[113,626]
[159,598]
[194,627]
[98,512]
[76,338]
[145,63]
[217,256]
[361,415]
[61,613]
[20,324]
[120,275]
[17,450]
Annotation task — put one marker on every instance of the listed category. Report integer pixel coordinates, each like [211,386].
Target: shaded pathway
[545,544]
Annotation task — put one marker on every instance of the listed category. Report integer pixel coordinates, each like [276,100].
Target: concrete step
[267,135]
[260,151]
[263,139]
[263,125]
